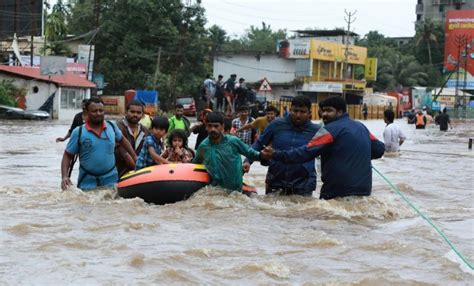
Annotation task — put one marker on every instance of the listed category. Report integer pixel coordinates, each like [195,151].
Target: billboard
[459,47]
[294,48]
[52,65]
[23,17]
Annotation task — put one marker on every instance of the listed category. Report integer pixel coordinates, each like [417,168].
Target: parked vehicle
[8,112]
[188,104]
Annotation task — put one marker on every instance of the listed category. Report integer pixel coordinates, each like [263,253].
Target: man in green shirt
[221,155]
[179,121]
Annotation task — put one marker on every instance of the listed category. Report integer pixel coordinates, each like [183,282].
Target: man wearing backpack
[95,143]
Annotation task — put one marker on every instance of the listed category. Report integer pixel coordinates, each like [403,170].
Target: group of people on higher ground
[226,96]
[287,145]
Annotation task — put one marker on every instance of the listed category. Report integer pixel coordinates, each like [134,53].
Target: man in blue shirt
[346,148]
[95,143]
[298,178]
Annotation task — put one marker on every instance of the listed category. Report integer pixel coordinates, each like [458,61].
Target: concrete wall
[254,68]
[277,92]
[33,100]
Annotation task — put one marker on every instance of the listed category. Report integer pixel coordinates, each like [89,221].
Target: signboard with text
[459,47]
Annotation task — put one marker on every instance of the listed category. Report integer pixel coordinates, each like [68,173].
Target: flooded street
[50,237]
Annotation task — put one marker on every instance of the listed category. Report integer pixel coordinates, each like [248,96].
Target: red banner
[459,33]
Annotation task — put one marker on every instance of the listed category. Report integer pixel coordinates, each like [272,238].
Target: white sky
[394,18]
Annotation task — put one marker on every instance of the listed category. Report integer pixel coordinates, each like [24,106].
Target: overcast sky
[394,18]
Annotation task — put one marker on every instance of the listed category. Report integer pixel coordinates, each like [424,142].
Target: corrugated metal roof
[69,79]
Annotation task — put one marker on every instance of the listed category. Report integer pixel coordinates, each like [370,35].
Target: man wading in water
[298,178]
[346,148]
[95,143]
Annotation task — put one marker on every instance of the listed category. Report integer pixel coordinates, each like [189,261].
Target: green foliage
[56,30]
[130,35]
[418,63]
[256,39]
[9,93]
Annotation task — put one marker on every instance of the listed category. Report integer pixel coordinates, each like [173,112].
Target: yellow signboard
[371,69]
[323,50]
[355,55]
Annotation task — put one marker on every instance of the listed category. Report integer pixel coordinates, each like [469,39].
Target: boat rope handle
[426,218]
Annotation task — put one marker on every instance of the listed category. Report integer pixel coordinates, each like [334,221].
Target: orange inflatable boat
[166,184]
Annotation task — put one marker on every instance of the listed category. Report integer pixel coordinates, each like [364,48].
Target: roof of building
[324,33]
[69,79]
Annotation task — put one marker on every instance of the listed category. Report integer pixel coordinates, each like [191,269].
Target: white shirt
[391,136]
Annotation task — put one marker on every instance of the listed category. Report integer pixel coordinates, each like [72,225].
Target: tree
[425,34]
[262,39]
[396,70]
[56,30]
[130,35]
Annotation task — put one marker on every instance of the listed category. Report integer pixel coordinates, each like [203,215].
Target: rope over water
[426,218]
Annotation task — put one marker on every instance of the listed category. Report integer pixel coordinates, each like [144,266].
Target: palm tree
[425,33]
[56,30]
[396,71]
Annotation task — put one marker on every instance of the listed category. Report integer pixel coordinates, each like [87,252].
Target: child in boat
[178,150]
[153,145]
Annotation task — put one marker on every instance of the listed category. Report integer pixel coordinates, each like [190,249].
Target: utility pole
[461,42]
[349,20]
[157,70]
[465,58]
[33,4]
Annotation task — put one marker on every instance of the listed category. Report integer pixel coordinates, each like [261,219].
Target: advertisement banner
[294,48]
[371,69]
[317,86]
[355,55]
[459,47]
[322,50]
[52,65]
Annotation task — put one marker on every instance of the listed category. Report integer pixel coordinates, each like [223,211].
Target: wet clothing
[392,136]
[182,123]
[77,121]
[223,161]
[443,120]
[260,123]
[136,140]
[201,131]
[295,178]
[245,135]
[96,155]
[144,159]
[346,148]
[185,157]
[420,121]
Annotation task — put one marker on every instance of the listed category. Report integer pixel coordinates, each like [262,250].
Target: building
[317,63]
[436,9]
[327,63]
[69,90]
[400,41]
[254,67]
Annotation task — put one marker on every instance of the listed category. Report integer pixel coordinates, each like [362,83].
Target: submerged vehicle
[9,112]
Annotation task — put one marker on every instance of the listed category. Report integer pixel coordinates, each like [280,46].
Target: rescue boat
[168,183]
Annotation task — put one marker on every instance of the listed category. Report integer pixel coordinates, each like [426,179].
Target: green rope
[397,190]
